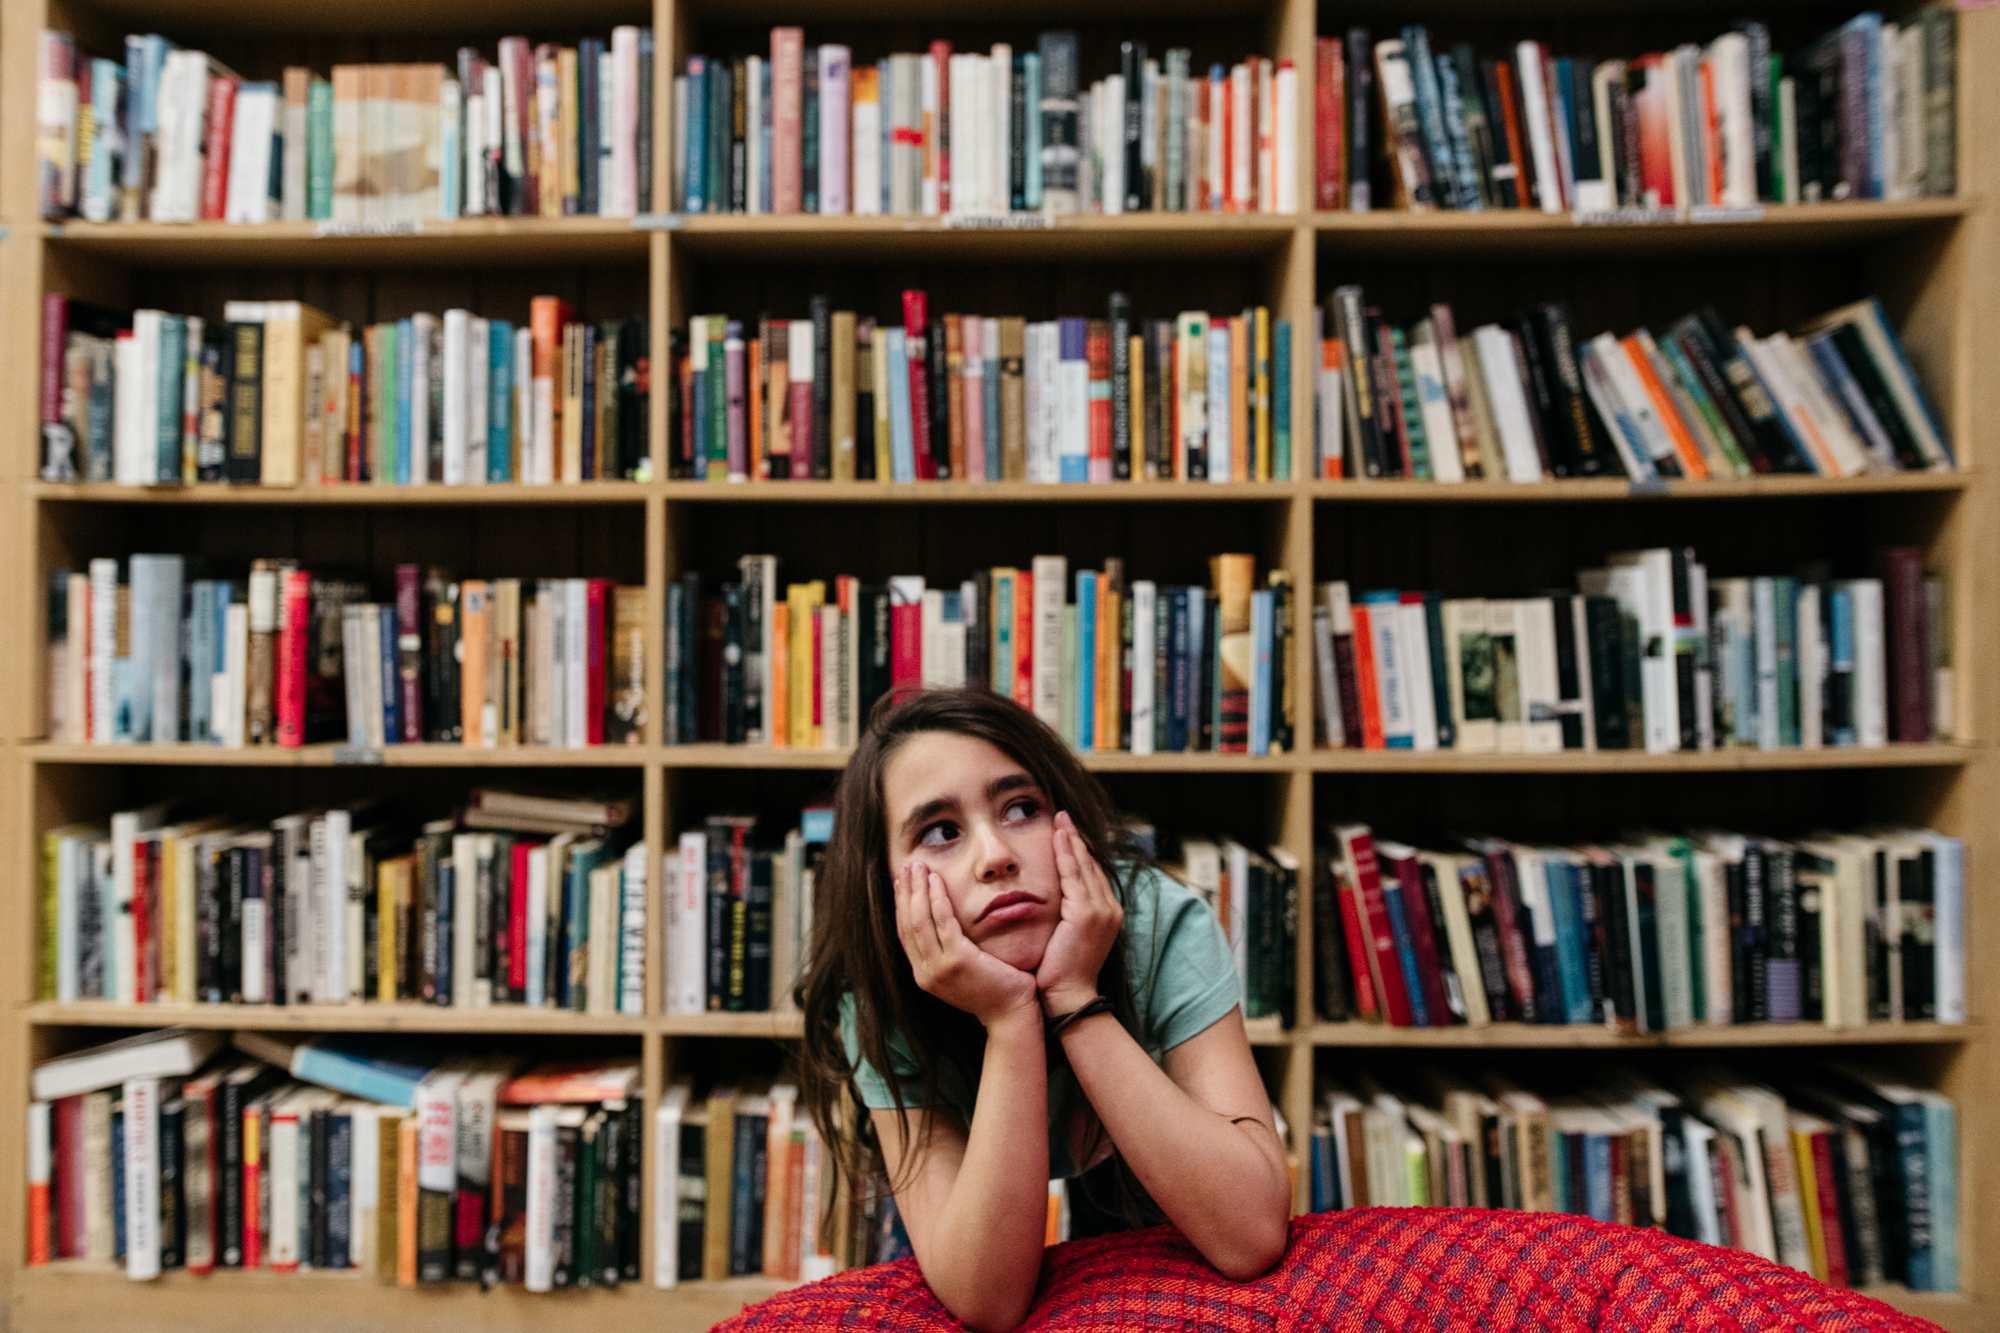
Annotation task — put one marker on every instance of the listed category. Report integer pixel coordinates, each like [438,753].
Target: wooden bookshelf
[1936,263]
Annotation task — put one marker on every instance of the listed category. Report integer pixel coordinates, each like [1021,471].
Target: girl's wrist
[1060,1000]
[1019,1020]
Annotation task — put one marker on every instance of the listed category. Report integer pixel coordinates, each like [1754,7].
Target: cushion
[1379,1269]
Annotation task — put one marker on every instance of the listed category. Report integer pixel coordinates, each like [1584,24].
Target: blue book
[371,1068]
[1260,672]
[763,182]
[1032,188]
[117,1180]
[1204,692]
[1221,446]
[1430,115]
[1597,1172]
[1941,1150]
[500,411]
[698,372]
[673,653]
[1840,673]
[1869,26]
[1566,907]
[990,410]
[1073,399]
[406,370]
[696,131]
[745,1237]
[902,447]
[1281,400]
[587,353]
[1324,1182]
[1086,658]
[339,1187]
[106,86]
[392,694]
[446,911]
[357,375]
[201,662]
[1178,669]
[1451,95]
[172,371]
[1559,1172]
[1399,926]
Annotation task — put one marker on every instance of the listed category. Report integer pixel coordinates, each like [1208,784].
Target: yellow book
[718,1161]
[878,369]
[388,1161]
[570,466]
[1110,652]
[842,374]
[779,670]
[1238,371]
[803,687]
[290,327]
[1802,1154]
[1262,363]
[390,889]
[1142,464]
[472,614]
[567,121]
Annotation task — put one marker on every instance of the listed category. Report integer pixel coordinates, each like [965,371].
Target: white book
[1642,582]
[254,125]
[1871,675]
[666,1181]
[1051,579]
[1730,54]
[1243,139]
[624,124]
[1417,665]
[1144,609]
[677,195]
[103,646]
[465,875]
[423,369]
[1510,402]
[867,148]
[1764,615]
[576,630]
[834,64]
[1787,133]
[229,698]
[1850,451]
[1712,878]
[142,1178]
[1535,656]
[531,442]
[1285,137]
[1392,680]
[686,877]
[538,918]
[1510,717]
[999,110]
[121,976]
[451,150]
[541,1190]
[1434,408]
[1948,893]
[478,385]
[631,998]
[282,1165]
[364,1182]
[455,373]
[1810,653]
[353,645]
[1541,134]
[1236,868]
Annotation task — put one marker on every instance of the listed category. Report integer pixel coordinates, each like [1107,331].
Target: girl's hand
[1091,920]
[946,963]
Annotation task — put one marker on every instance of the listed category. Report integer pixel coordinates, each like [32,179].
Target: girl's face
[960,807]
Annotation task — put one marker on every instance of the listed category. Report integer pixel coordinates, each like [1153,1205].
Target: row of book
[1841,1171]
[515,899]
[982,133]
[172,1151]
[1649,654]
[281,393]
[1867,111]
[1141,667]
[1646,935]
[969,397]
[1527,398]
[174,135]
[144,651]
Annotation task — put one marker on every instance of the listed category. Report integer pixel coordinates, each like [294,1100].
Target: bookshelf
[1936,263]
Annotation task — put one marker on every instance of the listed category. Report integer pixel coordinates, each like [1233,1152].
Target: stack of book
[1141,667]
[1650,934]
[738,912]
[1256,897]
[281,393]
[1841,1172]
[290,656]
[982,134]
[165,1151]
[176,136]
[1527,398]
[516,899]
[1649,654]
[976,398]
[1868,111]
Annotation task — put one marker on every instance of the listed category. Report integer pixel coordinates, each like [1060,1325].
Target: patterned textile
[1381,1270]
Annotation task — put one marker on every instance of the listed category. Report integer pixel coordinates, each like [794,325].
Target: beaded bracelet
[1100,1005]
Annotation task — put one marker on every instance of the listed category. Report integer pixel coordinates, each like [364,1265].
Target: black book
[873,666]
[630,1187]
[1646,894]
[1588,164]
[1736,879]
[1132,67]
[591,96]
[1589,439]
[721,99]
[1782,968]
[237,870]
[173,1195]
[1596,960]
[1332,1002]
[822,389]
[1359,135]
[1560,450]
[864,398]
[687,706]
[240,1087]
[1454,985]
[734,715]
[809,111]
[644,155]
[218,358]
[1506,173]
[1763,115]
[1017,134]
[1757,930]
[440,664]
[1684,650]
[979,631]
[1157,460]
[680,441]
[244,404]
[691,1210]
[563,1243]
[1605,631]
[1747,386]
[608,1189]
[939,402]
[316,1180]
[1917,894]
[1613,908]
[1693,340]
[590,450]
[1475,881]
[739,158]
[1569,673]
[1479,135]
[750,1168]
[718,901]
[1121,371]
[433,443]
[1868,378]
[1812,878]
[444,939]
[757,933]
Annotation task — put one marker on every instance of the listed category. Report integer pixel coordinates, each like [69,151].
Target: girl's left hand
[1091,920]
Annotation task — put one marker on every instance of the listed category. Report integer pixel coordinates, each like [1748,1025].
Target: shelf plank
[1063,238]
[982,492]
[1636,761]
[464,243]
[711,755]
[370,1017]
[1612,489]
[331,756]
[777,1026]
[1511,1036]
[343,494]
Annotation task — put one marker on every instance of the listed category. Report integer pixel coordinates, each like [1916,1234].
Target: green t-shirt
[1183,980]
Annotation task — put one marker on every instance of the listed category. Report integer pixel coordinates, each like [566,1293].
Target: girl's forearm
[985,1251]
[1225,1185]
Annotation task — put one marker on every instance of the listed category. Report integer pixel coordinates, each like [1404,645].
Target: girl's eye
[1023,810]
[938,834]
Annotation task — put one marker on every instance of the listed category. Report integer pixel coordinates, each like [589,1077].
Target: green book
[718,405]
[1413,417]
[319,151]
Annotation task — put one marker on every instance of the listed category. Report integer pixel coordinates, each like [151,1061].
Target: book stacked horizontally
[1190,668]
[280,393]
[1530,398]
[976,398]
[1839,1171]
[290,656]
[527,899]
[175,135]
[1645,934]
[1772,662]
[403,1162]
[1867,111]
[806,129]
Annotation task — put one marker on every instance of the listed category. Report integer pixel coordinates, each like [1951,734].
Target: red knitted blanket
[1382,1270]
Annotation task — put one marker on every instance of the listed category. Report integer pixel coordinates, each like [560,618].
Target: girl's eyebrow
[931,809]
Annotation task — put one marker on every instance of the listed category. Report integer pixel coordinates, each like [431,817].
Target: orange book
[1685,447]
[571,1081]
[1024,638]
[1333,358]
[40,1152]
[1240,443]
[1110,652]
[1510,117]
[1364,678]
[954,392]
[1711,133]
[780,675]
[406,1203]
[253,1187]
[472,613]
[753,407]
[546,317]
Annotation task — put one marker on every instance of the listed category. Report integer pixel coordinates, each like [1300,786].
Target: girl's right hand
[946,963]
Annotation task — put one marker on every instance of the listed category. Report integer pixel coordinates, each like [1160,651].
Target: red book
[596,593]
[215,150]
[288,688]
[1711,135]
[357,467]
[1906,630]
[1649,104]
[1829,1204]
[787,116]
[1364,679]
[1510,918]
[920,385]
[818,666]
[1024,638]
[1097,362]
[941,58]
[1329,102]
[142,922]
[906,633]
[1517,149]
[254,1149]
[55,339]
[67,1168]
[1357,847]
[410,652]
[1357,947]
[1401,861]
[517,918]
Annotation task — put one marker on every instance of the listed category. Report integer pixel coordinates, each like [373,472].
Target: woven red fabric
[1376,1269]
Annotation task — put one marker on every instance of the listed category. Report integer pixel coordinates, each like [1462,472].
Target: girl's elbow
[991,1316]
[1255,1251]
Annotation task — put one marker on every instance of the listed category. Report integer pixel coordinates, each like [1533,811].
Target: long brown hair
[856,952]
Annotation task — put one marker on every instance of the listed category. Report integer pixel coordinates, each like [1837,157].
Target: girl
[1014,994]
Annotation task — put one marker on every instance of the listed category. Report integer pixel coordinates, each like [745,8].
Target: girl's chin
[1022,948]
